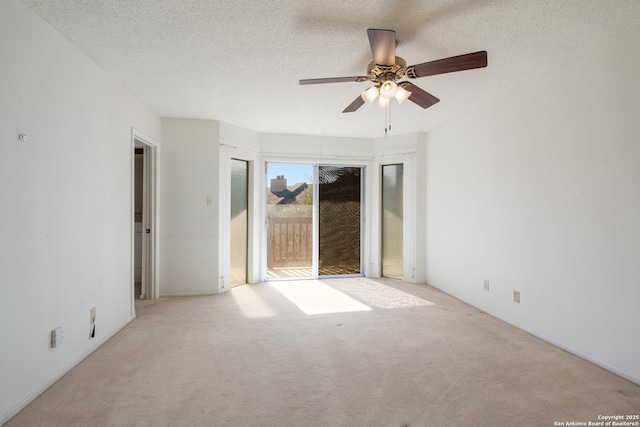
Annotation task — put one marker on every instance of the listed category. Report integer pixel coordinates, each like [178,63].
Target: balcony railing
[290,242]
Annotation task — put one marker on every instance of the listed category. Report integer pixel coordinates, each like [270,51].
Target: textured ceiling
[239,61]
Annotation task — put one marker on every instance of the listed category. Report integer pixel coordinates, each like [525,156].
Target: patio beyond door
[314,220]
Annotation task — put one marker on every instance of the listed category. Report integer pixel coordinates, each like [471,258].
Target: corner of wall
[421,207]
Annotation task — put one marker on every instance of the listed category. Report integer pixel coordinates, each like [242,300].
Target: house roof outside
[297,194]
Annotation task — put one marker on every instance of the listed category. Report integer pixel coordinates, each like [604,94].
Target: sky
[293,172]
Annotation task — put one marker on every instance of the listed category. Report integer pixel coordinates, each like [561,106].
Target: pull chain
[389,114]
[387,119]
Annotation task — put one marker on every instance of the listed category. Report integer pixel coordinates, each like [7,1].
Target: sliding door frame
[365,165]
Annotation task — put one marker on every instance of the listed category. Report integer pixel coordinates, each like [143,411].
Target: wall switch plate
[486,285]
[57,337]
[516,296]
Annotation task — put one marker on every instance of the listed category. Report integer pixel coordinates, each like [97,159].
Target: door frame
[248,165]
[382,220]
[224,221]
[150,247]
[410,240]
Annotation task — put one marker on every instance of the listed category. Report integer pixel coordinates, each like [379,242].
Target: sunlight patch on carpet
[250,303]
[378,294]
[315,297]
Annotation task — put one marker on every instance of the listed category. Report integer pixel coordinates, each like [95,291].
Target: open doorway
[290,221]
[144,280]
[138,185]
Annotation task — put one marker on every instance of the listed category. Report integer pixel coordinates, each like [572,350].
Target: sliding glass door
[314,220]
[339,220]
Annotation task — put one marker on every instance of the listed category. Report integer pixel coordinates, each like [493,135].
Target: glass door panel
[339,220]
[392,221]
[239,221]
[289,220]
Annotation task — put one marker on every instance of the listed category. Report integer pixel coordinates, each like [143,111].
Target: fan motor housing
[381,73]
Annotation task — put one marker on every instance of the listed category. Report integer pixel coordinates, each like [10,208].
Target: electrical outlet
[486,285]
[56,337]
[92,322]
[516,296]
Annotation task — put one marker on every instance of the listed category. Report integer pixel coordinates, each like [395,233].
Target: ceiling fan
[387,69]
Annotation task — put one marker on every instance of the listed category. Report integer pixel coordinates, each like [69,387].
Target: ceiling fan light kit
[402,95]
[388,89]
[370,95]
[386,71]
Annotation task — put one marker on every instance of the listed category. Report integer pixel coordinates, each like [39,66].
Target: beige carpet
[369,353]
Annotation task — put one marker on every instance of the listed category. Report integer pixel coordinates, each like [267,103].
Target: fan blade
[419,96]
[383,46]
[357,103]
[333,80]
[448,65]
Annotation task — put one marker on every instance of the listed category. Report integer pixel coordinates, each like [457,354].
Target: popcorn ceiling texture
[240,61]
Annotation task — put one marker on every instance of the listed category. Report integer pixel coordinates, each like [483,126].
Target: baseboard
[567,349]
[188,294]
[550,341]
[4,418]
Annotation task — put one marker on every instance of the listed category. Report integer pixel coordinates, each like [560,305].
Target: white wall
[538,192]
[66,211]
[421,209]
[315,147]
[189,227]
